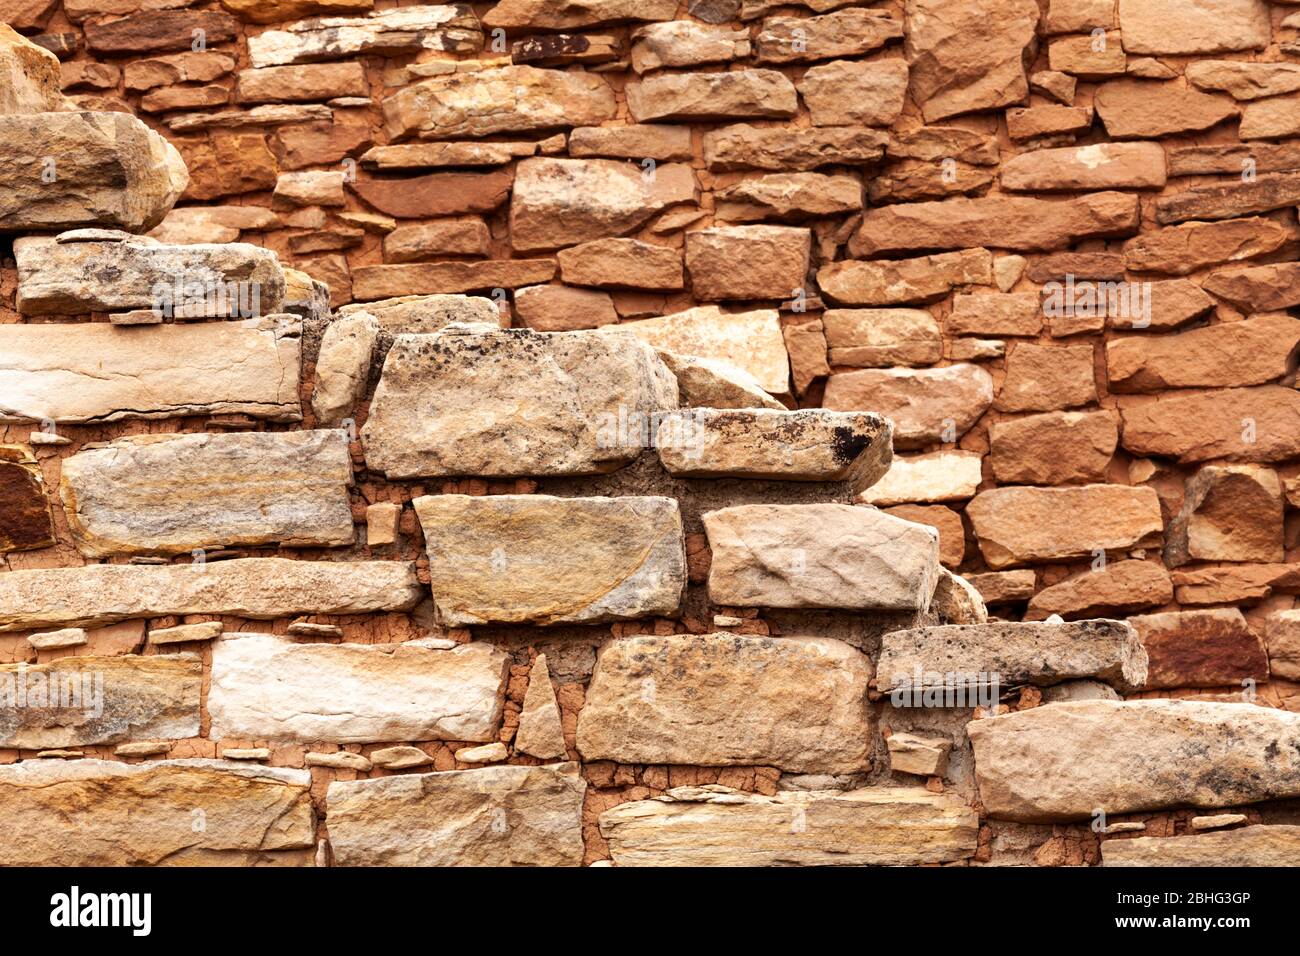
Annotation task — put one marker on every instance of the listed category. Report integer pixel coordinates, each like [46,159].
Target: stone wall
[937,306]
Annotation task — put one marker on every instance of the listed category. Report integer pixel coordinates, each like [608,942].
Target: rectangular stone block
[1063,761]
[170,494]
[271,688]
[77,701]
[105,813]
[537,559]
[715,826]
[98,372]
[1272,846]
[491,816]
[258,588]
[797,703]
[544,403]
[25,520]
[820,556]
[451,28]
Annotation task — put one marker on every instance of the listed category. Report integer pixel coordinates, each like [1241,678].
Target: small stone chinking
[594,433]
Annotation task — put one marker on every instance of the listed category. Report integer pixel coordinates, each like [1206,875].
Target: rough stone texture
[1229,513]
[1117,587]
[1249,846]
[1101,166]
[491,816]
[742,94]
[452,28]
[821,555]
[880,338]
[1245,424]
[925,405]
[259,588]
[1203,648]
[1045,377]
[25,520]
[106,813]
[1214,201]
[541,732]
[1026,525]
[936,476]
[796,703]
[845,93]
[707,383]
[714,826]
[1180,250]
[1025,653]
[749,341]
[747,262]
[751,147]
[1061,762]
[1135,108]
[1193,26]
[31,75]
[342,366]
[1055,448]
[270,688]
[555,403]
[1283,636]
[1258,288]
[1250,352]
[807,445]
[923,279]
[54,371]
[169,494]
[99,700]
[543,560]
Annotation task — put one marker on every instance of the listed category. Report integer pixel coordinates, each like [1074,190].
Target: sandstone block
[1214,201]
[693,97]
[1045,377]
[881,338]
[926,405]
[1136,108]
[855,93]
[450,28]
[750,147]
[1055,448]
[544,15]
[900,281]
[1244,424]
[1120,587]
[849,32]
[343,366]
[789,197]
[707,383]
[541,732]
[946,475]
[1202,648]
[25,520]
[614,263]
[1180,250]
[1229,513]
[1079,168]
[1283,634]
[1273,846]
[1180,27]
[748,262]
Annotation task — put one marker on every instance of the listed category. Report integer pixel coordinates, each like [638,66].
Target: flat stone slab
[60,372]
[169,494]
[717,826]
[1248,846]
[820,556]
[537,559]
[61,277]
[271,688]
[77,701]
[258,588]
[807,445]
[544,403]
[798,703]
[451,28]
[1063,761]
[25,520]
[490,816]
[1013,653]
[106,813]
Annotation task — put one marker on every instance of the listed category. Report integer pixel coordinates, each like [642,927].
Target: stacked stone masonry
[600,433]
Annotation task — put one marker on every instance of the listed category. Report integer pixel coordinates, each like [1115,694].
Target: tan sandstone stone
[1272,846]
[1119,587]
[747,262]
[1229,513]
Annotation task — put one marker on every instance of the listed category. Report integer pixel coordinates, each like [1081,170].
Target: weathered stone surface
[1018,525]
[57,371]
[706,383]
[880,338]
[820,555]
[451,28]
[343,365]
[275,11]
[926,405]
[946,475]
[57,275]
[402,757]
[1061,762]
[159,31]
[1048,122]
[1229,513]
[751,147]
[1133,109]
[25,520]
[561,202]
[551,406]
[57,640]
[31,76]
[1120,587]
[185,633]
[1180,27]
[109,813]
[1250,352]
[797,703]
[540,733]
[747,262]
[435,194]
[544,560]
[1014,313]
[1004,587]
[168,494]
[427,313]
[450,236]
[568,14]
[111,170]
[900,281]
[433,155]
[843,33]
[1229,583]
[1244,424]
[714,826]
[1093,57]
[272,688]
[1214,201]
[1180,250]
[855,93]
[789,197]
[446,278]
[1204,648]
[969,56]
[1045,377]
[77,701]
[455,818]
[1078,168]
[660,142]
[742,94]
[615,263]
[259,588]
[1233,158]
[508,99]
[557,308]
[1258,288]
[681,43]
[293,84]
[1283,635]
[750,341]
[905,181]
[1271,118]
[1244,81]
[1249,846]
[1017,653]
[191,66]
[808,445]
[1000,222]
